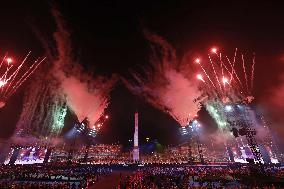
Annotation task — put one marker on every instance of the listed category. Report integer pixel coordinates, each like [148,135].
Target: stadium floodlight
[184,130]
[92,132]
[228,108]
[79,127]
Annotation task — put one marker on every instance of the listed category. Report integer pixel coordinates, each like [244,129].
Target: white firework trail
[245,73]
[12,76]
[217,79]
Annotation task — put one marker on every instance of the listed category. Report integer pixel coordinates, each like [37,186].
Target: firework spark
[232,87]
[214,50]
[2,83]
[225,81]
[200,77]
[12,76]
[199,62]
[228,104]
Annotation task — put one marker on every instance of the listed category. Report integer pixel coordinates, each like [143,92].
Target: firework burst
[226,78]
[12,76]
[226,85]
[63,85]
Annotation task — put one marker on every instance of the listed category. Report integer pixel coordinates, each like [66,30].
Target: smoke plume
[274,104]
[164,84]
[86,96]
[62,82]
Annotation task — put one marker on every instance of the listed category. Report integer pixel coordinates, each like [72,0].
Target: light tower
[136,146]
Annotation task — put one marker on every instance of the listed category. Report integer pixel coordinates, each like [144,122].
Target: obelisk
[136,146]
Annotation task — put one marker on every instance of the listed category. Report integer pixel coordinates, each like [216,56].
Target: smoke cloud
[86,96]
[61,82]
[164,84]
[273,101]
[277,96]
[84,100]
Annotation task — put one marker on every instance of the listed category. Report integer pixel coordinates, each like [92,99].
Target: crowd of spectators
[51,176]
[174,177]
[75,176]
[167,170]
[100,154]
[113,154]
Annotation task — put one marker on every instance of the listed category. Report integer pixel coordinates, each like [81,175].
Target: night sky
[107,38]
